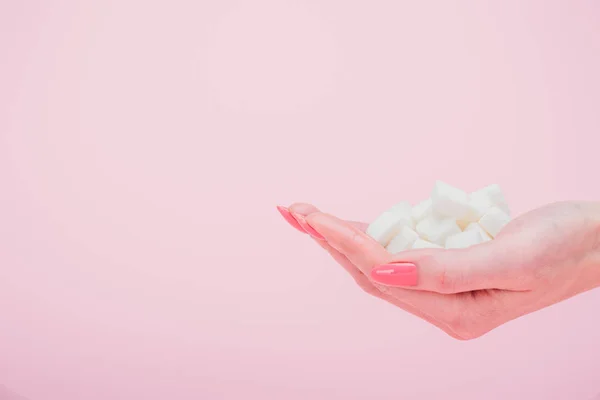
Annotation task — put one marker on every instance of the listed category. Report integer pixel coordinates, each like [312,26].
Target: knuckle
[443,281]
[355,237]
[352,241]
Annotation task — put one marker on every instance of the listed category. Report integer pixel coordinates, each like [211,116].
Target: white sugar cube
[493,193]
[464,239]
[388,225]
[424,244]
[477,207]
[494,220]
[437,230]
[448,201]
[402,241]
[421,210]
[474,226]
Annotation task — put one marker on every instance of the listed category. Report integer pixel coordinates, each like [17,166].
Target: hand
[539,259]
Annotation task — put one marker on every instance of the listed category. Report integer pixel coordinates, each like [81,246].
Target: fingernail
[396,274]
[287,215]
[309,229]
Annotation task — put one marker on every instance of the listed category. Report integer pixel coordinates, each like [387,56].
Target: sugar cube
[437,230]
[493,193]
[477,207]
[421,210]
[388,225]
[494,220]
[403,240]
[448,201]
[474,226]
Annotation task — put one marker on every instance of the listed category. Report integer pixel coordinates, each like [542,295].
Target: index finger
[305,209]
[364,251]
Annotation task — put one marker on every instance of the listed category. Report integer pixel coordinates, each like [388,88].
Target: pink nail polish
[309,229]
[287,215]
[396,274]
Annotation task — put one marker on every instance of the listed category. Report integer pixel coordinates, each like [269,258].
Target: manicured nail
[287,215]
[309,229]
[396,274]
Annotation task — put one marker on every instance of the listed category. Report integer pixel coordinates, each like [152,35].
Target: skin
[540,258]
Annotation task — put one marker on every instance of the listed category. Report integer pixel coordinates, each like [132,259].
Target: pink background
[145,144]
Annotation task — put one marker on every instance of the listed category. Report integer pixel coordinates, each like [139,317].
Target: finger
[305,209]
[365,253]
[491,265]
[297,219]
[351,241]
[288,216]
[380,292]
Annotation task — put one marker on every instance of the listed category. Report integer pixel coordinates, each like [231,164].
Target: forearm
[590,262]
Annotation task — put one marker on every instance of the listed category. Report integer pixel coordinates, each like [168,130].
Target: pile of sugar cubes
[451,218]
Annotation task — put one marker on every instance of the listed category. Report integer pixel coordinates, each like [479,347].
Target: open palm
[540,258]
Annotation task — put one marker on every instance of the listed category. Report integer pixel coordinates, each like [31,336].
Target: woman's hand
[539,259]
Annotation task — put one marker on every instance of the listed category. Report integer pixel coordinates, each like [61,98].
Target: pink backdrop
[145,144]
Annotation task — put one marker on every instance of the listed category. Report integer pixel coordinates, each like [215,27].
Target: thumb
[490,265]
